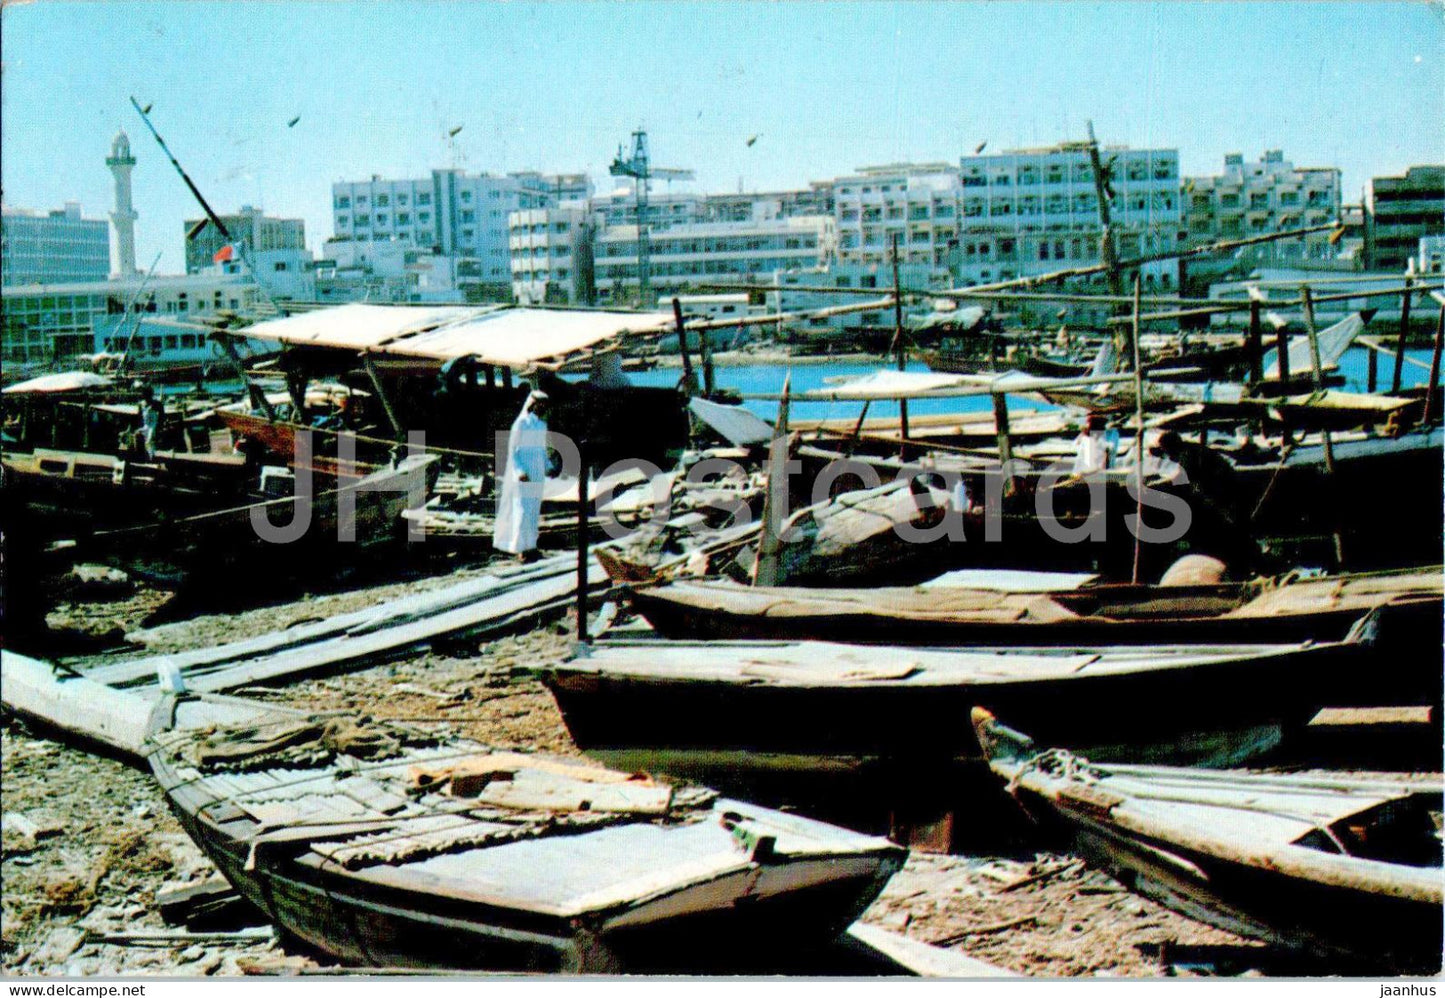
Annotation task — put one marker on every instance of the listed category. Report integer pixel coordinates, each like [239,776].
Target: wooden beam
[1432,392]
[900,347]
[1400,339]
[1139,433]
[766,566]
[1005,444]
[689,380]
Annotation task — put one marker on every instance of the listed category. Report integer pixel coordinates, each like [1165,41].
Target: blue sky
[827,86]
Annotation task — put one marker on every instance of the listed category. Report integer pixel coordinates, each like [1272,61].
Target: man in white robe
[519,505]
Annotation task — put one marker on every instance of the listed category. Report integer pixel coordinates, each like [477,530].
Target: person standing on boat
[1092,449]
[519,504]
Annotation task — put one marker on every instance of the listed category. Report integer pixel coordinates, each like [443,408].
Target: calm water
[769,378]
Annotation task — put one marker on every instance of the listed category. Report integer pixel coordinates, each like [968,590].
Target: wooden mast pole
[1432,392]
[765,568]
[1319,385]
[1138,433]
[689,379]
[901,347]
[1405,300]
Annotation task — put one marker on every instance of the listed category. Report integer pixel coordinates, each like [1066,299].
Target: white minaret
[123,218]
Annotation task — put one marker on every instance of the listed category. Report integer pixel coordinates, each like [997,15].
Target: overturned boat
[385,845]
[1334,864]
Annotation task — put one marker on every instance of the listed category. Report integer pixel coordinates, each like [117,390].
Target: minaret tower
[121,162]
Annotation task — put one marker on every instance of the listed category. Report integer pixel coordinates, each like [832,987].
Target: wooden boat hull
[413,929]
[205,546]
[1105,615]
[652,717]
[1338,864]
[1261,903]
[590,897]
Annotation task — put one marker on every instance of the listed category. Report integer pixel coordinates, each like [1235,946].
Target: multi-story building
[619,207]
[916,204]
[817,199]
[49,321]
[452,213]
[1031,211]
[388,272]
[694,253]
[52,247]
[1271,194]
[251,228]
[1399,212]
[552,256]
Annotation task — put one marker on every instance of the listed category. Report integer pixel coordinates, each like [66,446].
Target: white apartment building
[551,252]
[451,213]
[619,207]
[1031,211]
[1250,199]
[918,204]
[43,322]
[52,247]
[693,253]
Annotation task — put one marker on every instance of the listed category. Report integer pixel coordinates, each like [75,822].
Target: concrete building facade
[916,203]
[1399,212]
[451,213]
[1267,195]
[693,253]
[250,227]
[1032,211]
[45,322]
[52,247]
[552,256]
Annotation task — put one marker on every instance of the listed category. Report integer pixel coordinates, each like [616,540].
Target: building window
[423,199]
[382,200]
[467,197]
[468,216]
[363,219]
[403,218]
[343,202]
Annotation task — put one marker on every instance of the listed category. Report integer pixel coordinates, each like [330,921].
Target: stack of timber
[387,846]
[1330,863]
[106,704]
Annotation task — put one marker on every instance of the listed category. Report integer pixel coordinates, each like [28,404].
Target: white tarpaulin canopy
[67,381]
[502,335]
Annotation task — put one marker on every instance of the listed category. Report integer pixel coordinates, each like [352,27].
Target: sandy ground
[95,842]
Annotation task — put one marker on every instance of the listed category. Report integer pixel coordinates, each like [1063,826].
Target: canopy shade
[493,334]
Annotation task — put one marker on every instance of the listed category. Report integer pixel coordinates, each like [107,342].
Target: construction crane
[638,166]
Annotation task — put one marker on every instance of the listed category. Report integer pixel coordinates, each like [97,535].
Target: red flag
[225,253]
